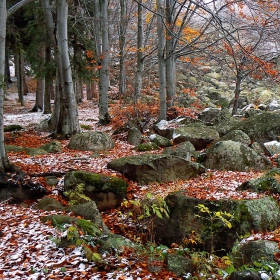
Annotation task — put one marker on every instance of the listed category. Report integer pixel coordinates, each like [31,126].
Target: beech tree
[64,121]
[4,13]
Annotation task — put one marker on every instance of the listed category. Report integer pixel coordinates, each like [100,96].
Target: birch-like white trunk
[161,60]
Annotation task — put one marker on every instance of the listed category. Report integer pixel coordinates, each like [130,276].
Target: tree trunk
[123,24]
[140,59]
[4,161]
[49,88]
[170,57]
[161,61]
[104,71]
[65,115]
[40,90]
[237,91]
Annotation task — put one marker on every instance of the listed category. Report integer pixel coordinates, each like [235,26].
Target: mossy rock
[148,168]
[247,252]
[259,215]
[113,242]
[179,265]
[161,141]
[268,182]
[198,134]
[235,156]
[52,147]
[49,204]
[183,150]
[13,127]
[146,147]
[237,136]
[91,141]
[28,151]
[261,128]
[107,191]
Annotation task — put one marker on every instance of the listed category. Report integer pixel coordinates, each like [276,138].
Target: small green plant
[80,238]
[76,195]
[212,217]
[146,210]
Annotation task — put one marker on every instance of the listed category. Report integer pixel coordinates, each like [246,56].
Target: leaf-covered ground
[28,250]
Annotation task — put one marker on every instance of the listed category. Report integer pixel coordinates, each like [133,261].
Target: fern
[76,195]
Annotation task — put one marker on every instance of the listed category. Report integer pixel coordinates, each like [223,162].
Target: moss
[97,182]
[85,127]
[13,127]
[88,227]
[149,146]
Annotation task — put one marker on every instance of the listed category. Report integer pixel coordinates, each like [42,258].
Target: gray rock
[184,150]
[261,128]
[274,105]
[244,275]
[147,146]
[235,156]
[91,141]
[49,204]
[208,114]
[155,168]
[87,210]
[52,147]
[258,214]
[134,136]
[237,136]
[28,151]
[245,253]
[179,265]
[272,147]
[198,134]
[268,182]
[160,141]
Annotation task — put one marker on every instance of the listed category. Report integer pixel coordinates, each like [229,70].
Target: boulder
[160,141]
[208,114]
[52,147]
[244,275]
[274,105]
[261,128]
[185,218]
[179,265]
[198,134]
[87,210]
[224,122]
[134,136]
[184,150]
[28,151]
[107,191]
[237,136]
[235,156]
[146,147]
[91,141]
[268,182]
[13,128]
[272,148]
[148,168]
[247,252]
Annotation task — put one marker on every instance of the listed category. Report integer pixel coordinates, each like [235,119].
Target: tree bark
[65,115]
[140,56]
[123,23]
[4,161]
[104,71]
[170,57]
[161,61]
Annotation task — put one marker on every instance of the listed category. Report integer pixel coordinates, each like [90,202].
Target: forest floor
[28,250]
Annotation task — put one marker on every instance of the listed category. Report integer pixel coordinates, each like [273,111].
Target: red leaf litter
[27,246]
